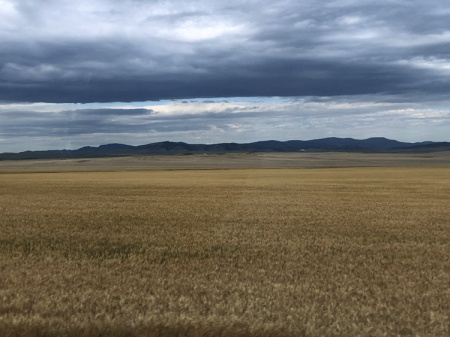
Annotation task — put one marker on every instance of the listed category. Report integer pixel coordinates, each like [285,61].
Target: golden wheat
[329,252]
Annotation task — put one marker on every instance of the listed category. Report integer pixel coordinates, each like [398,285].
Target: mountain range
[376,144]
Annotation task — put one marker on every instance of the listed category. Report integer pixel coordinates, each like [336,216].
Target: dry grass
[330,252]
[237,161]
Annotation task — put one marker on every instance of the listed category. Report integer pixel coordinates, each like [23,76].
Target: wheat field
[256,252]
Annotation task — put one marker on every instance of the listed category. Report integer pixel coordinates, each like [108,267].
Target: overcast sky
[75,73]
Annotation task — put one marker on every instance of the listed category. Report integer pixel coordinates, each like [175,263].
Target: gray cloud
[344,68]
[111,112]
[224,120]
[137,51]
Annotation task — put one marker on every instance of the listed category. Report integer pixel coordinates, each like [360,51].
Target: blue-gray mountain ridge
[376,144]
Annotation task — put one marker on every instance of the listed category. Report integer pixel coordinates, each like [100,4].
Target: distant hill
[376,144]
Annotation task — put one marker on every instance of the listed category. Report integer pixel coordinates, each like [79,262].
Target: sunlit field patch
[282,252]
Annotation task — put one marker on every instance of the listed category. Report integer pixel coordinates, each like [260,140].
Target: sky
[92,72]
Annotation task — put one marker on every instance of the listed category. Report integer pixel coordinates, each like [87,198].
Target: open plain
[238,160]
[88,250]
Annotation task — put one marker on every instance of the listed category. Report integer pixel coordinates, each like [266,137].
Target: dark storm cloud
[271,78]
[85,113]
[136,51]
[104,121]
[111,112]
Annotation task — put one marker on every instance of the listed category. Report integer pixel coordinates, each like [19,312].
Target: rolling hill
[376,144]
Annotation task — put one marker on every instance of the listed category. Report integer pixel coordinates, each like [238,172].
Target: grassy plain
[237,160]
[267,252]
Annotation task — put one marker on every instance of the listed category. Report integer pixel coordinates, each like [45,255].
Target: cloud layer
[104,50]
[96,71]
[52,126]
